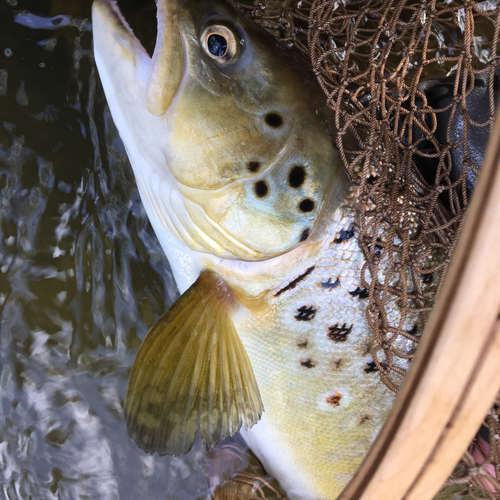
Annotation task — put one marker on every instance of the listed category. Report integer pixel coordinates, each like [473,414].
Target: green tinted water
[82,276]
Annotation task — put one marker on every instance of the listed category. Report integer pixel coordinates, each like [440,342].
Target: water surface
[82,276]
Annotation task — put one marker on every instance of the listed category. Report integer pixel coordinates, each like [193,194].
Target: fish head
[228,135]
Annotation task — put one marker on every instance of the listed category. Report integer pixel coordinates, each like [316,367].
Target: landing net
[413,87]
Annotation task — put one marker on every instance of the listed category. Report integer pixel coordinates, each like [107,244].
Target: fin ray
[192,372]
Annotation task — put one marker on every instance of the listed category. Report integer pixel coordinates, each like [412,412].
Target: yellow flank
[311,353]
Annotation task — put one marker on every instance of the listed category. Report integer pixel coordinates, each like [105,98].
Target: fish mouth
[115,41]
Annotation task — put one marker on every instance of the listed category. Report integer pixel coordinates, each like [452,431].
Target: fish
[232,148]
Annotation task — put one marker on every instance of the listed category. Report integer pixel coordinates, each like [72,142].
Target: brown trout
[232,149]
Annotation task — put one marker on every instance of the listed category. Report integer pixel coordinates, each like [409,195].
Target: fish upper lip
[115,8]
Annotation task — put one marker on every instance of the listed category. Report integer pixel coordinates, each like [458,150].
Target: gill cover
[228,138]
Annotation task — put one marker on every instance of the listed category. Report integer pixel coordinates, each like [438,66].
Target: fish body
[232,152]
[311,352]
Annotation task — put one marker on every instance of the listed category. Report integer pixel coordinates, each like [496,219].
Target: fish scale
[334,386]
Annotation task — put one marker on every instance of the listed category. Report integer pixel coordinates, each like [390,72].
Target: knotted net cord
[403,78]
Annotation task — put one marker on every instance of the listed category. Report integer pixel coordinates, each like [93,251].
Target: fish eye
[219,42]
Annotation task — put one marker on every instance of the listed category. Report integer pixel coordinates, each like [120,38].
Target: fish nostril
[274,120]
[253,166]
[261,189]
[306,205]
[297,176]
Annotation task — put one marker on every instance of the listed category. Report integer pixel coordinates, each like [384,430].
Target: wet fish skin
[194,137]
[238,152]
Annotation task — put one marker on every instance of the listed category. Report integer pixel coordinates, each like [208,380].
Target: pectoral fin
[192,372]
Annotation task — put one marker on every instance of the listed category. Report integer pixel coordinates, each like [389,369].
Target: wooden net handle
[456,374]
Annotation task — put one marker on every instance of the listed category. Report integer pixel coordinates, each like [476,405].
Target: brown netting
[412,84]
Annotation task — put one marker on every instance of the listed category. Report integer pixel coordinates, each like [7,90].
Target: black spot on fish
[372,179]
[334,399]
[253,166]
[303,343]
[427,278]
[345,234]
[360,293]
[365,418]
[339,333]
[305,234]
[297,176]
[370,367]
[305,313]
[274,120]
[308,363]
[306,205]
[413,330]
[261,189]
[330,285]
[295,282]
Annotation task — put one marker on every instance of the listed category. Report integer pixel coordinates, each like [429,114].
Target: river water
[82,276]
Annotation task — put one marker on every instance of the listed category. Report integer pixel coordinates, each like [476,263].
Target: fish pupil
[217,45]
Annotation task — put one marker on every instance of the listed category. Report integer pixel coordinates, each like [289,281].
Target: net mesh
[413,86]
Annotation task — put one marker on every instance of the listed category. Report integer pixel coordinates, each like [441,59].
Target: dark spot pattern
[334,399]
[427,278]
[308,363]
[339,333]
[274,120]
[295,282]
[261,189]
[372,179]
[305,313]
[303,343]
[345,234]
[360,293]
[253,166]
[305,234]
[307,205]
[370,367]
[297,176]
[365,418]
[413,330]
[330,285]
